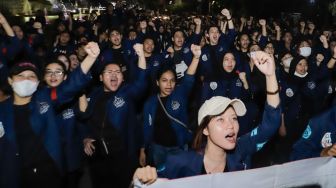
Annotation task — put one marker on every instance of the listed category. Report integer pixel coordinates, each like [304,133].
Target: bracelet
[272,92]
[229,19]
[334,58]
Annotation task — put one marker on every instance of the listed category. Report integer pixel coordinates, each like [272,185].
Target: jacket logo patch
[150,120]
[156,63]
[44,107]
[186,50]
[68,113]
[260,145]
[204,57]
[239,83]
[221,49]
[307,132]
[118,102]
[311,85]
[213,85]
[2,130]
[175,105]
[289,92]
[326,140]
[254,132]
[330,90]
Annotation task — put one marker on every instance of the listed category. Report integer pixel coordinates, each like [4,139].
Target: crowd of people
[136,94]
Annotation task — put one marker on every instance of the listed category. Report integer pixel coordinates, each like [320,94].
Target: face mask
[287,62]
[300,75]
[24,88]
[305,51]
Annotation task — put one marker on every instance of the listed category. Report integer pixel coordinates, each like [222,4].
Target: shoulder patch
[2,130]
[326,140]
[307,132]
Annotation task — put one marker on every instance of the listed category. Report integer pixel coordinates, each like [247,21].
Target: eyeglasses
[57,73]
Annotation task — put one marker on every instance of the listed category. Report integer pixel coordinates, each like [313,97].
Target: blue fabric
[320,133]
[176,106]
[44,124]
[190,163]
[120,109]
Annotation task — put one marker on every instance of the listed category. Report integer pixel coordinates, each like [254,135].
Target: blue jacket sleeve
[76,81]
[255,140]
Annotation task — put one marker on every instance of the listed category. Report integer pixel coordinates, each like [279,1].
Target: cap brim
[237,104]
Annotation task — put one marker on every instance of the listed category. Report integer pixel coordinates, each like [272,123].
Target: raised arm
[228,16]
[265,63]
[5,25]
[92,49]
[196,50]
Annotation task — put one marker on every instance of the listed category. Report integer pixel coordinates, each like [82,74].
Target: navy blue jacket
[176,106]
[191,163]
[44,123]
[120,111]
[320,133]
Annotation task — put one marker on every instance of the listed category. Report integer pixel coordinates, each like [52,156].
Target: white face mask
[300,75]
[287,62]
[24,88]
[305,51]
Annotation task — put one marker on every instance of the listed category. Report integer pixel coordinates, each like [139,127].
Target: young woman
[217,119]
[163,134]
[30,145]
[54,74]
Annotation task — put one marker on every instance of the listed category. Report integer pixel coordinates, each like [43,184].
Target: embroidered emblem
[2,130]
[118,102]
[204,57]
[330,90]
[175,105]
[326,140]
[88,99]
[307,132]
[239,83]
[254,131]
[167,56]
[68,113]
[289,92]
[261,145]
[221,49]
[311,85]
[213,85]
[150,120]
[44,107]
[186,50]
[156,63]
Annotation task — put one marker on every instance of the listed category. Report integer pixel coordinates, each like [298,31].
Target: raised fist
[92,49]
[196,50]
[138,48]
[197,21]
[262,22]
[226,13]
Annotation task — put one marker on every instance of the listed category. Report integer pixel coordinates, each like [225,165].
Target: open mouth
[231,137]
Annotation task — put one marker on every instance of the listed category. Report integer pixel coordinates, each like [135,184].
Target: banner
[313,173]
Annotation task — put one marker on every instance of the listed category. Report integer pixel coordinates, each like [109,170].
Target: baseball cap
[218,104]
[23,66]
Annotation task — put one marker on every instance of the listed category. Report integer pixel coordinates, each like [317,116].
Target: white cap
[217,105]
